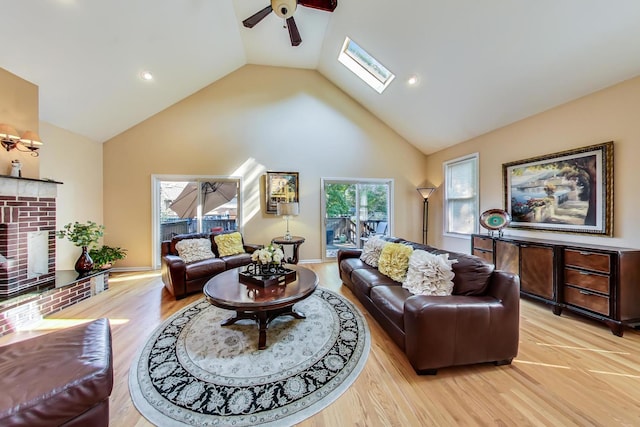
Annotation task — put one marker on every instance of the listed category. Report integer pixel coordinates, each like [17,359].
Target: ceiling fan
[285,10]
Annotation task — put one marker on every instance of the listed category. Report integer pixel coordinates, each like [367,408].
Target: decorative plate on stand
[495,220]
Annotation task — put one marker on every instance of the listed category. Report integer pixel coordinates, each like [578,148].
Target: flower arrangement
[271,254]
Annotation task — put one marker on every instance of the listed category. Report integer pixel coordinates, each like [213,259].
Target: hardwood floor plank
[569,370]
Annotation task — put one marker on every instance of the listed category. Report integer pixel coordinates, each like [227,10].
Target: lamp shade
[290,208]
[31,140]
[425,192]
[8,132]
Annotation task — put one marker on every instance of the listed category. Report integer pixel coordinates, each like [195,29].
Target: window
[365,66]
[461,195]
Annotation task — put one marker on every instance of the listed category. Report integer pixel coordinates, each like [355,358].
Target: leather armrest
[165,247]
[251,248]
[348,253]
[173,274]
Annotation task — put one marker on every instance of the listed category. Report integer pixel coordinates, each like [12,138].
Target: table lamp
[287,210]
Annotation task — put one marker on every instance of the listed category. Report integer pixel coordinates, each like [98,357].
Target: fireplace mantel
[19,178]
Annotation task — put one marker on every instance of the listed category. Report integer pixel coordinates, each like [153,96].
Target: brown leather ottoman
[61,378]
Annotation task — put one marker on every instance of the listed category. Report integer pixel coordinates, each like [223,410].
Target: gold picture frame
[569,191]
[280,187]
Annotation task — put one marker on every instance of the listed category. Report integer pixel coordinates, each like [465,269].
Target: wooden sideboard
[600,282]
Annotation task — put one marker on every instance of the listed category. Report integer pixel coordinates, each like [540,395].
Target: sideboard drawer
[487,256]
[587,280]
[483,243]
[588,300]
[589,260]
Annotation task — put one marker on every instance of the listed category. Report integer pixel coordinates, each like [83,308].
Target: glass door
[193,205]
[353,211]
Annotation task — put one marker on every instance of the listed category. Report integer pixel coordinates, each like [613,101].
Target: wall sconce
[287,210]
[425,192]
[10,139]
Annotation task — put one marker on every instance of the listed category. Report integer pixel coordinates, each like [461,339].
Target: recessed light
[413,80]
[146,75]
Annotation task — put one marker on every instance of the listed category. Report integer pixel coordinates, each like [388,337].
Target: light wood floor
[569,371]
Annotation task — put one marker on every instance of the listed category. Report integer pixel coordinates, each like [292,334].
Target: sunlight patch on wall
[250,171]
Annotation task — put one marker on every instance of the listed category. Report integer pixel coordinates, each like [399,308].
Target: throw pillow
[191,250]
[229,244]
[394,261]
[371,251]
[429,274]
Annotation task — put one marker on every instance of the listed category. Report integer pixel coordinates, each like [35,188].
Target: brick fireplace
[30,286]
[27,233]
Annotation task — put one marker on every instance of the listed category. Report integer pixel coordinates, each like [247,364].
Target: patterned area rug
[192,371]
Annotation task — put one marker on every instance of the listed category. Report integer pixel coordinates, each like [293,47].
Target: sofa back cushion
[472,273]
[226,244]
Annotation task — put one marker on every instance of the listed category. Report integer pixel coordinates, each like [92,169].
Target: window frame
[446,167]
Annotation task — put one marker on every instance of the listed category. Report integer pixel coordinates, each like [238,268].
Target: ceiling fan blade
[251,21]
[328,5]
[294,35]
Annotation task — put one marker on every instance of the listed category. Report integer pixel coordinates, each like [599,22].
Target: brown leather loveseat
[478,323]
[63,378]
[183,278]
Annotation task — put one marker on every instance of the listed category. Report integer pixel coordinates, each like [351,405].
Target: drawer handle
[585,292]
[584,273]
[585,253]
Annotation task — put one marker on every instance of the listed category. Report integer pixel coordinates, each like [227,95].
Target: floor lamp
[425,192]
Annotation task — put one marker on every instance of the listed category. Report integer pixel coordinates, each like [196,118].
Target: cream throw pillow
[429,274]
[191,250]
[371,251]
[394,261]
[229,244]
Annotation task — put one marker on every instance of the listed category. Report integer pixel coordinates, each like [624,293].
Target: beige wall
[19,108]
[256,119]
[75,161]
[607,115]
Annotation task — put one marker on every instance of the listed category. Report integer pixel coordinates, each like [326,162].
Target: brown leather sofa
[478,323]
[182,279]
[62,378]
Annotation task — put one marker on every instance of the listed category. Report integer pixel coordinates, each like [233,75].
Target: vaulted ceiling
[481,64]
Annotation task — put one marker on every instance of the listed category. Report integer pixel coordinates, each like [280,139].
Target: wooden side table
[295,241]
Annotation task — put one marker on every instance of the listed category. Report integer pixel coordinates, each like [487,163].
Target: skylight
[365,66]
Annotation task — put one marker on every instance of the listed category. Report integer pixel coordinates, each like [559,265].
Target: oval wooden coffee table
[257,303]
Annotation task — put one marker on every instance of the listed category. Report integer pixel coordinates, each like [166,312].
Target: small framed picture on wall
[280,187]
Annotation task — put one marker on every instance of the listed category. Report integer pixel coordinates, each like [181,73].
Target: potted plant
[105,256]
[84,236]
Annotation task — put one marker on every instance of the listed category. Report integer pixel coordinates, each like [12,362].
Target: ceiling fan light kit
[285,10]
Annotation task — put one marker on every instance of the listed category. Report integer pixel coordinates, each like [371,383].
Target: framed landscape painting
[280,187]
[570,191]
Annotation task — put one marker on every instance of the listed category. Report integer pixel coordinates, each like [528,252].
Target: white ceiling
[482,64]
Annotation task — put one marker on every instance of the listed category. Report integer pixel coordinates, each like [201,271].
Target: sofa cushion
[394,260]
[229,244]
[371,250]
[390,301]
[204,268]
[237,260]
[54,379]
[366,278]
[472,273]
[350,264]
[429,274]
[191,250]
